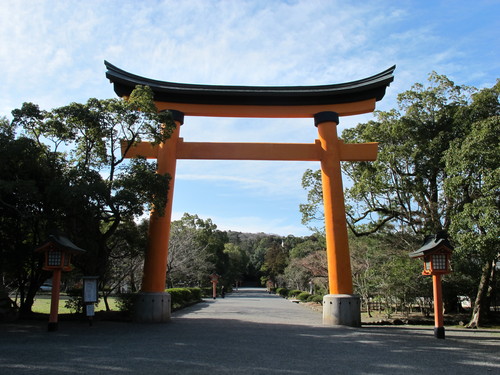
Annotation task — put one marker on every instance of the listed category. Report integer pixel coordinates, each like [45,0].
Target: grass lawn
[42,304]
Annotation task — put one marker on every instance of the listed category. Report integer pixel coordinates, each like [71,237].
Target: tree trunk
[106,303]
[480,305]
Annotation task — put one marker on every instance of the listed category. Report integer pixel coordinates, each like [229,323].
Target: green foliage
[473,165]
[294,293]
[75,301]
[196,249]
[312,211]
[283,292]
[182,297]
[437,169]
[304,296]
[315,298]
[473,188]
[206,292]
[126,303]
[85,192]
[404,186]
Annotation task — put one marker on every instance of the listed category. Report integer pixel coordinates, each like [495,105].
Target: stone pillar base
[342,310]
[153,307]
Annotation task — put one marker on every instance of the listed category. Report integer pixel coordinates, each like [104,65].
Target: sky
[52,53]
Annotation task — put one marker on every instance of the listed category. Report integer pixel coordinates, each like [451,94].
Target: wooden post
[54,302]
[337,246]
[155,263]
[438,307]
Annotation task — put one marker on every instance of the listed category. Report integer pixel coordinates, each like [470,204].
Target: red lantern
[436,252]
[58,251]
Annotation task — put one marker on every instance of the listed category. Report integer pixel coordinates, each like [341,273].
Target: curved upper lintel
[346,99]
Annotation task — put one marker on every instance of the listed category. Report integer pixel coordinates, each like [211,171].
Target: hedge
[294,293]
[303,296]
[184,296]
[315,298]
[283,292]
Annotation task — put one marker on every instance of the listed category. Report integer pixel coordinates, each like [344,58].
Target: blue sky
[52,53]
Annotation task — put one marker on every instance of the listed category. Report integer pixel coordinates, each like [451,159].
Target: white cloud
[52,52]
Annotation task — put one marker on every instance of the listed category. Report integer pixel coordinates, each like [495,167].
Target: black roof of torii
[368,88]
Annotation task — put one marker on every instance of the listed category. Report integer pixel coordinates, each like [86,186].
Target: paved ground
[249,332]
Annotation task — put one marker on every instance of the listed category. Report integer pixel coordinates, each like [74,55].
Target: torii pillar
[340,307]
[154,304]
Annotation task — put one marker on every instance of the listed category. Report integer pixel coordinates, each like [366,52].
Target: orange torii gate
[323,103]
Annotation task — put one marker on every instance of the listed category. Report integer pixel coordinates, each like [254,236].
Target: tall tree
[31,183]
[473,185]
[196,249]
[98,190]
[437,169]
[404,186]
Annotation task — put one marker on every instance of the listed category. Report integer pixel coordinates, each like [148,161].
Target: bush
[303,296]
[196,293]
[182,297]
[206,291]
[126,303]
[315,298]
[294,293]
[179,296]
[283,292]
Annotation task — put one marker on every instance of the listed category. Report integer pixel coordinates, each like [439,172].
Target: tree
[275,259]
[31,181]
[437,169]
[128,245]
[237,263]
[404,186]
[196,249]
[96,190]
[473,185]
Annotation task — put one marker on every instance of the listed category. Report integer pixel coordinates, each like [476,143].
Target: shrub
[179,296]
[182,297]
[196,293]
[126,303]
[303,296]
[207,291]
[315,298]
[283,292]
[294,293]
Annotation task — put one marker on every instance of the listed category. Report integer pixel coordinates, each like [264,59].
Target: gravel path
[248,332]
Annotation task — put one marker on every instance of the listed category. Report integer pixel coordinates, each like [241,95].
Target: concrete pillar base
[342,310]
[153,307]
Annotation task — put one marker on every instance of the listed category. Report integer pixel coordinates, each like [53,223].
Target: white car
[46,287]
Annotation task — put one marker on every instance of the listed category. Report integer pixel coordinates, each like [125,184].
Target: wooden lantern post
[436,252]
[214,278]
[58,251]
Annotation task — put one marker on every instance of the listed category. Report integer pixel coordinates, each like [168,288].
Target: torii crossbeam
[323,103]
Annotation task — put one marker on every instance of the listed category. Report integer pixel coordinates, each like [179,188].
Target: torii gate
[323,103]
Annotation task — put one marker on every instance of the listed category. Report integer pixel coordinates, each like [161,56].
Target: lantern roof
[61,243]
[183,97]
[432,243]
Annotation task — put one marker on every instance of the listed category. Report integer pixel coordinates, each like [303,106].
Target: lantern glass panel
[54,258]
[439,261]
[427,263]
